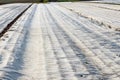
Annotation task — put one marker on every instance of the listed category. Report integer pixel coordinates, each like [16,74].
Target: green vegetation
[67,0]
[45,1]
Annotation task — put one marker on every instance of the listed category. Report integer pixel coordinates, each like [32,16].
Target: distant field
[36,1]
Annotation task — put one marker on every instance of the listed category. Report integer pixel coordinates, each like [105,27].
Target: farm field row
[9,12]
[107,15]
